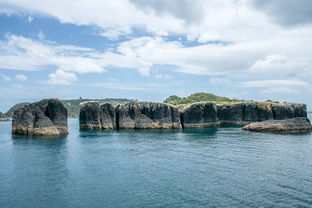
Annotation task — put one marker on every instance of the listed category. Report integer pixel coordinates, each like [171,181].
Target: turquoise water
[217,167]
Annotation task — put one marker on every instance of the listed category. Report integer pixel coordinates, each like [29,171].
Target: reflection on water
[213,167]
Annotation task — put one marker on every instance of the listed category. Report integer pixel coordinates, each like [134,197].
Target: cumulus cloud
[21,77]
[20,53]
[287,12]
[232,37]
[60,77]
[229,20]
[188,10]
[219,81]
[278,86]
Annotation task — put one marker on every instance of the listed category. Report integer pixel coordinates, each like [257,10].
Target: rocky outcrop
[200,115]
[147,115]
[44,118]
[206,114]
[93,116]
[287,126]
[150,115]
[288,110]
[257,111]
[230,114]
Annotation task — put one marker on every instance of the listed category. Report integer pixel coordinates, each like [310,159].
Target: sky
[151,49]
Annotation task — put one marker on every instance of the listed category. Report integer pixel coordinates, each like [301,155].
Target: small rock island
[286,126]
[47,117]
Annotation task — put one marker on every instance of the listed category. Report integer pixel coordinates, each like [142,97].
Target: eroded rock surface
[288,110]
[47,117]
[94,116]
[200,115]
[147,115]
[286,126]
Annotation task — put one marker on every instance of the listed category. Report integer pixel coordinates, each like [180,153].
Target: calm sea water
[217,167]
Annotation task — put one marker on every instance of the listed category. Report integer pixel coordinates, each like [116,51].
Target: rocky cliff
[201,114]
[96,116]
[147,115]
[205,114]
[46,117]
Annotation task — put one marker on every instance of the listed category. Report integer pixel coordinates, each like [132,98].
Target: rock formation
[200,115]
[205,114]
[147,115]
[44,118]
[287,126]
[288,110]
[94,116]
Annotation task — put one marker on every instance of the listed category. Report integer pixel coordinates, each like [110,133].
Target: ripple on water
[216,167]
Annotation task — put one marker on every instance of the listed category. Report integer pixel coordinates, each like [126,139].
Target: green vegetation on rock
[198,97]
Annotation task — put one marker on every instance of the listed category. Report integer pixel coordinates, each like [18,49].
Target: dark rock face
[94,116]
[231,114]
[199,115]
[147,115]
[45,118]
[287,126]
[108,116]
[288,110]
[254,111]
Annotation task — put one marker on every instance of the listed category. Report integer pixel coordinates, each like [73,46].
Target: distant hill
[197,97]
[72,105]
[74,108]
[9,113]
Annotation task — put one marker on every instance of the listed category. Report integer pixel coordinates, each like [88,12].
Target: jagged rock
[47,117]
[287,126]
[288,110]
[199,115]
[147,115]
[94,116]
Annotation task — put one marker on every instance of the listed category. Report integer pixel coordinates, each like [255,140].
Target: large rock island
[151,115]
[47,117]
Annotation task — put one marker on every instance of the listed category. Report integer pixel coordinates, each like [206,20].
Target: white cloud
[278,86]
[61,78]
[19,53]
[41,35]
[129,86]
[275,83]
[229,20]
[30,19]
[219,81]
[21,77]
[162,76]
[5,77]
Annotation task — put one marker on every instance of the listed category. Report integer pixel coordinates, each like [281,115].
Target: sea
[212,167]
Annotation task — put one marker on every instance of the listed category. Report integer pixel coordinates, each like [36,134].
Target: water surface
[216,167]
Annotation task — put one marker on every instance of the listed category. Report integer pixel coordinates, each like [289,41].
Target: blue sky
[149,50]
